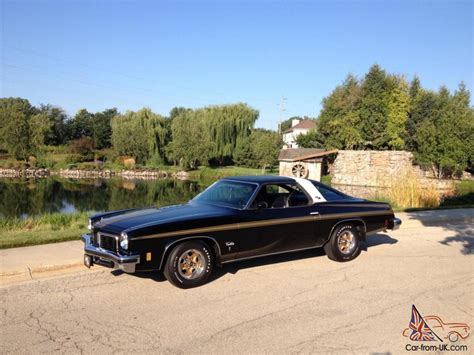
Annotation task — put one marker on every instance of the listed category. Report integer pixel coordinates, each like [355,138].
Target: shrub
[74,159]
[110,155]
[83,146]
[100,156]
[44,162]
[129,163]
[32,161]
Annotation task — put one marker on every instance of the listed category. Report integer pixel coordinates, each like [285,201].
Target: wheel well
[210,242]
[358,223]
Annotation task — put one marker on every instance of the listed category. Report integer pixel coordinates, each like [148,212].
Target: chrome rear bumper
[96,255]
[395,224]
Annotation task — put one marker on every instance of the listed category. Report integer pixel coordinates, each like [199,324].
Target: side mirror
[261,205]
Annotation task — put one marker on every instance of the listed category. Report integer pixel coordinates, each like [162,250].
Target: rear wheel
[189,264]
[344,244]
[453,336]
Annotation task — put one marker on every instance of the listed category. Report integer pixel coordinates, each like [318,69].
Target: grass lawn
[22,238]
[47,228]
[205,172]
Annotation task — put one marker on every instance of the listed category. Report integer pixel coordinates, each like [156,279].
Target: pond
[28,197]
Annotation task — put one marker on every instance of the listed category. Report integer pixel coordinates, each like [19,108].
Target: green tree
[40,128]
[444,132]
[80,125]
[397,113]
[259,150]
[57,122]
[374,108]
[102,129]
[367,114]
[191,143]
[174,112]
[140,134]
[221,128]
[312,139]
[339,121]
[227,124]
[14,126]
[415,113]
[266,146]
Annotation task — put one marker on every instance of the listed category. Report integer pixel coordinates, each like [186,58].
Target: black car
[236,218]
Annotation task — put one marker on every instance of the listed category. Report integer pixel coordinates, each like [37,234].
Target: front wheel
[189,264]
[344,244]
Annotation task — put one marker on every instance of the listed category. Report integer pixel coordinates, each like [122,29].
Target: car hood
[132,220]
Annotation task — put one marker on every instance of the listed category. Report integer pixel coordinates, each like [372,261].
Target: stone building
[302,162]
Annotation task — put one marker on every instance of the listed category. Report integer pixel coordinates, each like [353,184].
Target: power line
[282,110]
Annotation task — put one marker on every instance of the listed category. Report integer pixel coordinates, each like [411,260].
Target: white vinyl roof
[312,191]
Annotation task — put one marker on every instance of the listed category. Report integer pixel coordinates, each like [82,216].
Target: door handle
[314,213]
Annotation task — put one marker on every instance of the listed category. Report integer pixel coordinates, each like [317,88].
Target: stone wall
[378,169]
[92,174]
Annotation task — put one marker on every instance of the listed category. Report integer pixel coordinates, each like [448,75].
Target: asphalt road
[291,303]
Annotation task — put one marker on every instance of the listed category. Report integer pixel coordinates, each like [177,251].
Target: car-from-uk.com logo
[440,335]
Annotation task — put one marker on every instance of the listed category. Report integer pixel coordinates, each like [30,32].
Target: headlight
[123,241]
[89,224]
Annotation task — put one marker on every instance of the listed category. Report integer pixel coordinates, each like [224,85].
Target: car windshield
[227,193]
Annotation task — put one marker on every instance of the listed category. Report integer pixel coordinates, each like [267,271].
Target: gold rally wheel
[189,264]
[344,244]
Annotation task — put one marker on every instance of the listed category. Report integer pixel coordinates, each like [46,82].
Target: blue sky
[161,54]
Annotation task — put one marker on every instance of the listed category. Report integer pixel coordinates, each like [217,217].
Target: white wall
[290,137]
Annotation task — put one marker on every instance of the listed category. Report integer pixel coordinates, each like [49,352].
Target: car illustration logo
[433,328]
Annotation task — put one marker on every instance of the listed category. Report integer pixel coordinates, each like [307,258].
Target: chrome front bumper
[96,255]
[396,223]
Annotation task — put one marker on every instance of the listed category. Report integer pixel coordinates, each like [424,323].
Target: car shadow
[235,267]
[378,239]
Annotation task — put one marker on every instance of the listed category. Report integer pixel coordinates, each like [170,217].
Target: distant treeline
[380,111]
[210,135]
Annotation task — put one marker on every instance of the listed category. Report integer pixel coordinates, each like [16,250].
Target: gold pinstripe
[268,222]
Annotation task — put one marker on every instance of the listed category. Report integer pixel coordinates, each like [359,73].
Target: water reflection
[23,197]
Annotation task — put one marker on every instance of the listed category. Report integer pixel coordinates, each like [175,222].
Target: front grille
[105,241]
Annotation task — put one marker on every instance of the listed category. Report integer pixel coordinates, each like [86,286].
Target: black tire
[339,248]
[189,264]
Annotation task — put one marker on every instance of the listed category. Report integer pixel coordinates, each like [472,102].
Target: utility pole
[282,111]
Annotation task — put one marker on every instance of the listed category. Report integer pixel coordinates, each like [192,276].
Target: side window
[280,196]
[433,322]
[330,195]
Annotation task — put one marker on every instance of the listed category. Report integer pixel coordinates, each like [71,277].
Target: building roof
[296,154]
[304,124]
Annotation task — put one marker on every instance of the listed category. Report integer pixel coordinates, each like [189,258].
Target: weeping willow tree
[227,124]
[210,133]
[140,134]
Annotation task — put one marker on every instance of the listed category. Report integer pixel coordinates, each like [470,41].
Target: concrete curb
[35,273]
